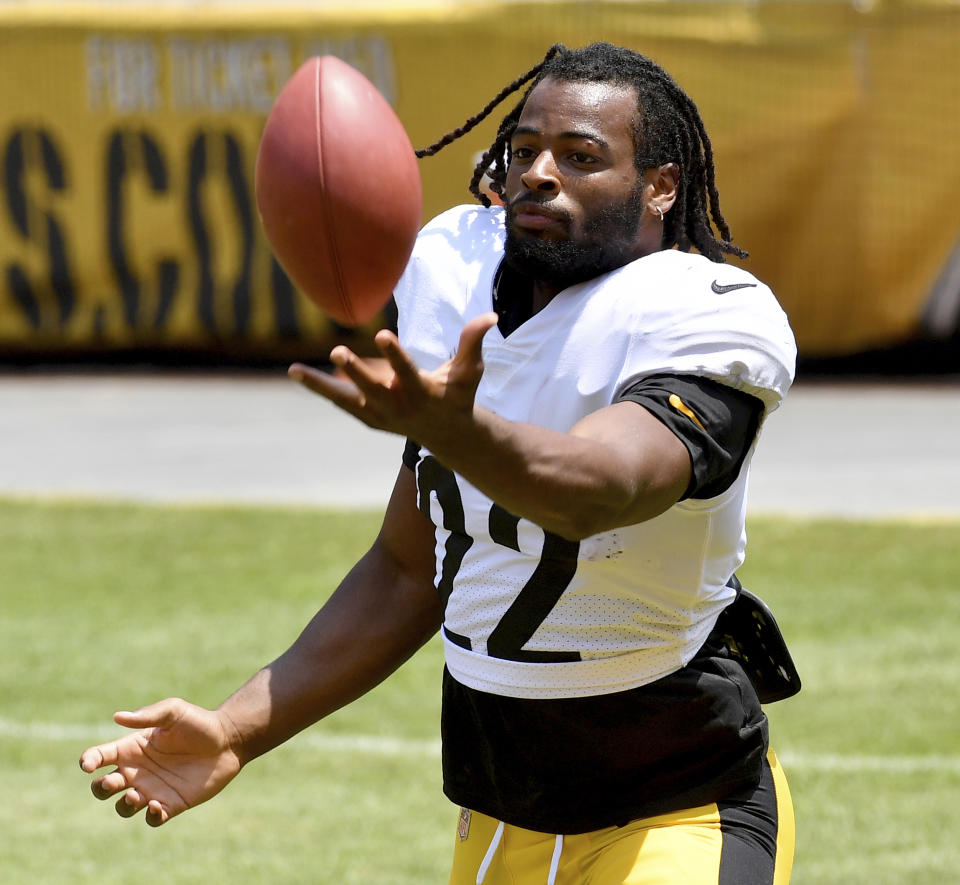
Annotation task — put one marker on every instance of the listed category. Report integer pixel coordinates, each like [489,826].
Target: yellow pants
[697,846]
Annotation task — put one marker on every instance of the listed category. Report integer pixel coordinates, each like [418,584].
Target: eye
[579,158]
[523,153]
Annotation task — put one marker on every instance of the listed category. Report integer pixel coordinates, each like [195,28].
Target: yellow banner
[127,214]
[128,137]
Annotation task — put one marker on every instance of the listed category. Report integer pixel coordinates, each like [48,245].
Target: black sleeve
[390,316]
[716,423]
[411,454]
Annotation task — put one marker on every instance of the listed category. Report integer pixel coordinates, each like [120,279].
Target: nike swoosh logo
[684,409]
[730,287]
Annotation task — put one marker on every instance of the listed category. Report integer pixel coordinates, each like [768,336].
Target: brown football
[338,189]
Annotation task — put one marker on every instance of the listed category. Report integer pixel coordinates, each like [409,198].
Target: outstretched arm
[383,611]
[618,466]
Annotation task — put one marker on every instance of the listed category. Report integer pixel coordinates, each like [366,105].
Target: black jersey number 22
[551,577]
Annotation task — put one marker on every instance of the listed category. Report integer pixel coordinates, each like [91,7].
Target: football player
[581,393]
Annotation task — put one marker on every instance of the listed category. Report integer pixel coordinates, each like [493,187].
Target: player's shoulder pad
[465,228]
[715,320]
[451,268]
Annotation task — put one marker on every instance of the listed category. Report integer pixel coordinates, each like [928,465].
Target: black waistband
[573,765]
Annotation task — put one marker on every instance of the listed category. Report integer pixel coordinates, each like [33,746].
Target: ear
[661,183]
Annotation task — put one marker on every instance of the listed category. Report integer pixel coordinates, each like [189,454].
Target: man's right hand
[181,756]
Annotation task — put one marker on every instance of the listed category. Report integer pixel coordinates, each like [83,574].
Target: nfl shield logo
[463,827]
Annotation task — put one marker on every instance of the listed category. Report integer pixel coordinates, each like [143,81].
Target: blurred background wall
[128,133]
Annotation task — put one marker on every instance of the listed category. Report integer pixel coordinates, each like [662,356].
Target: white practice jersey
[529,614]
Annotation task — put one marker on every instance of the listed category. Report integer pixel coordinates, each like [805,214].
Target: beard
[607,243]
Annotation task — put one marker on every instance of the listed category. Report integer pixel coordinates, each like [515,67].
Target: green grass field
[108,607]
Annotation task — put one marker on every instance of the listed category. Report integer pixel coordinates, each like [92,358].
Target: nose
[542,174]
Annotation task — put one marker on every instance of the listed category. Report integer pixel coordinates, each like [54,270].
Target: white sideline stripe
[383,745]
[852,763]
[379,745]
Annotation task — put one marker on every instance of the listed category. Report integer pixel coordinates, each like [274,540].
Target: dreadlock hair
[668,130]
